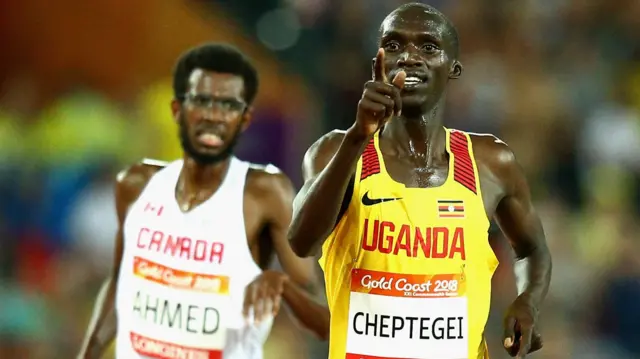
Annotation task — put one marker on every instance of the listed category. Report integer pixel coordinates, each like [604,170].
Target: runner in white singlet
[196,236]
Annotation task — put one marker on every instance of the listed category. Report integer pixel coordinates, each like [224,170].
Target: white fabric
[171,296]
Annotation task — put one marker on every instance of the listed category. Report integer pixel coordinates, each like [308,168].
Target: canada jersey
[183,275]
[408,270]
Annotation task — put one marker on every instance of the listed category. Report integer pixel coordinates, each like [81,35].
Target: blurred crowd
[558,80]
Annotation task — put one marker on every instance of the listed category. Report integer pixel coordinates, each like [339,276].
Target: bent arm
[311,314]
[102,327]
[520,223]
[328,168]
[302,289]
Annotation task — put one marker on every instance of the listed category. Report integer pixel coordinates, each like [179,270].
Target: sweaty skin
[267,212]
[505,191]
[417,41]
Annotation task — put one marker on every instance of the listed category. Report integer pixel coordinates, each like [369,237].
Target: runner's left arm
[520,223]
[302,290]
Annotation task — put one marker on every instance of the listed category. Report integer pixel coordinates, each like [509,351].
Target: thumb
[509,331]
[398,79]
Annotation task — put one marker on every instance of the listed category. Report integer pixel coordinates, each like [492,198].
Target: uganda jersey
[408,270]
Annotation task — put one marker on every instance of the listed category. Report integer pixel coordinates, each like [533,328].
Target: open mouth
[414,80]
[210,139]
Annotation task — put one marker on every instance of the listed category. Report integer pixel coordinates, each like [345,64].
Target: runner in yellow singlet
[400,207]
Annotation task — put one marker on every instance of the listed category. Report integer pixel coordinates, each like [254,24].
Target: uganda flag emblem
[450,209]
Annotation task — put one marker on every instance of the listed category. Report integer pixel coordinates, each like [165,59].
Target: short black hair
[452,31]
[217,57]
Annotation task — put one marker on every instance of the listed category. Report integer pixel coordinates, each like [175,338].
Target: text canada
[180,246]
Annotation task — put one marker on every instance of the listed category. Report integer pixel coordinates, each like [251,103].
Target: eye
[230,104]
[392,46]
[429,48]
[201,100]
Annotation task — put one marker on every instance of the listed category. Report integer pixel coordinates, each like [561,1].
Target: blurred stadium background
[86,87]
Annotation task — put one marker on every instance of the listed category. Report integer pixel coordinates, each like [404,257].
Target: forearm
[316,211]
[313,315]
[102,327]
[533,274]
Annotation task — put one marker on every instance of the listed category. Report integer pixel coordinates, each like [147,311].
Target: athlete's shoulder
[496,160]
[131,180]
[321,152]
[139,172]
[491,150]
[327,143]
[267,179]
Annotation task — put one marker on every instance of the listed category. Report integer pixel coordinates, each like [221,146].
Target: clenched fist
[521,336]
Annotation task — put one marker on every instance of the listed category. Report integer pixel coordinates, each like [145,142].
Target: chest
[410,227]
[221,229]
[202,239]
[412,174]
[415,172]
[438,230]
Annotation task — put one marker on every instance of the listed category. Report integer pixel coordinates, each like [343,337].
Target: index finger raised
[378,67]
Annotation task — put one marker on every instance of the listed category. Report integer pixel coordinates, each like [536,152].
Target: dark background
[86,90]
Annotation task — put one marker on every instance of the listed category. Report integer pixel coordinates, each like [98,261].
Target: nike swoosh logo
[370,202]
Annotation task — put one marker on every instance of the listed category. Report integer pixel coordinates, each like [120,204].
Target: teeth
[412,80]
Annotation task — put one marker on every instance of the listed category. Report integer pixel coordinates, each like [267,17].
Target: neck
[419,134]
[196,177]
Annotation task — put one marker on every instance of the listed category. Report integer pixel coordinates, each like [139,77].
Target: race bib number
[407,316]
[178,314]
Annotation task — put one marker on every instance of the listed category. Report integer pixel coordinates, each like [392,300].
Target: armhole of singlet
[349,202]
[476,174]
[490,251]
[149,187]
[475,166]
[346,200]
[347,207]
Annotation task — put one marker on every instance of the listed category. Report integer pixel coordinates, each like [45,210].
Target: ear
[176,109]
[456,70]
[247,117]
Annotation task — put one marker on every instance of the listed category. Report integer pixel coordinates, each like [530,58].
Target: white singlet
[183,275]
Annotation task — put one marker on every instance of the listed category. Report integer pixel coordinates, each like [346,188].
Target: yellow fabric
[351,250]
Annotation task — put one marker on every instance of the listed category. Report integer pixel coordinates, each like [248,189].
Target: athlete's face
[419,42]
[212,115]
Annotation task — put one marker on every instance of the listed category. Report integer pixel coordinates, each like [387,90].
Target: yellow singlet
[408,270]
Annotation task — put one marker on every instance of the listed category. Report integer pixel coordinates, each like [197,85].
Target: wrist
[356,136]
[272,273]
[288,289]
[529,299]
[285,279]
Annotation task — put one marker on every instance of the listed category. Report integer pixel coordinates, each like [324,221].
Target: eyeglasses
[220,104]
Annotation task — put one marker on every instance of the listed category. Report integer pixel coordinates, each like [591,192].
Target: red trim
[370,161]
[463,172]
